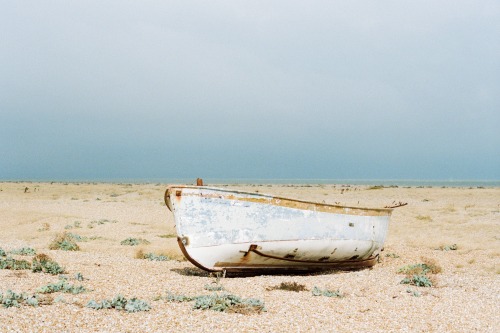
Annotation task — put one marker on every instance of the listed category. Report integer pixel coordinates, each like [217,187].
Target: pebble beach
[454,228]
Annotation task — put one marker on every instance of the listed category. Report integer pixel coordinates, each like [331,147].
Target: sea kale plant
[64,241]
[120,303]
[25,251]
[13,264]
[43,263]
[421,274]
[12,299]
[325,292]
[134,241]
[221,302]
[62,286]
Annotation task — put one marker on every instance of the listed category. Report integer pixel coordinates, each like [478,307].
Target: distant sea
[291,181]
[294,181]
[385,182]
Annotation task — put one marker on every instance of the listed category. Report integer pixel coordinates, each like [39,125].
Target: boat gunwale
[270,196]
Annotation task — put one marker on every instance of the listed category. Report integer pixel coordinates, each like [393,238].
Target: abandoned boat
[235,231]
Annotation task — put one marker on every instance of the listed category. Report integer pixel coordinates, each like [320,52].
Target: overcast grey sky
[249,89]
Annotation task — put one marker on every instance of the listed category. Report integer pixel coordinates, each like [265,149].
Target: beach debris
[396,204]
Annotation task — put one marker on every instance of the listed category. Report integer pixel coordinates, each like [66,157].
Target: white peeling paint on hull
[220,229]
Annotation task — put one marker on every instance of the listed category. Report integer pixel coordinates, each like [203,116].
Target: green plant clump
[154,257]
[222,303]
[14,264]
[328,293]
[417,280]
[11,299]
[134,241]
[100,222]
[64,242]
[419,269]
[214,287]
[63,286]
[2,253]
[451,247]
[43,263]
[121,303]
[229,303]
[178,298]
[79,276]
[77,237]
[413,292]
[25,251]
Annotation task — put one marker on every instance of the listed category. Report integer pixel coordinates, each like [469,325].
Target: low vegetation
[92,224]
[221,302]
[40,263]
[76,224]
[451,247]
[229,303]
[214,287]
[168,236]
[62,286]
[418,280]
[151,256]
[134,241]
[64,241]
[12,299]
[325,292]
[120,303]
[44,227]
[421,274]
[24,251]
[289,286]
[43,263]
[14,264]
[414,293]
[77,238]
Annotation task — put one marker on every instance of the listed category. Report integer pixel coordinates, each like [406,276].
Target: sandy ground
[465,296]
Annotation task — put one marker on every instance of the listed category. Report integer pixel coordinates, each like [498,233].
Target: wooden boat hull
[220,229]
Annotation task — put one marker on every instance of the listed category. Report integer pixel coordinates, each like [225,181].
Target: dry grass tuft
[173,254]
[139,254]
[432,265]
[44,227]
[289,286]
[64,241]
[245,309]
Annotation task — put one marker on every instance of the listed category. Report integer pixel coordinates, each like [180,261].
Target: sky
[108,90]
